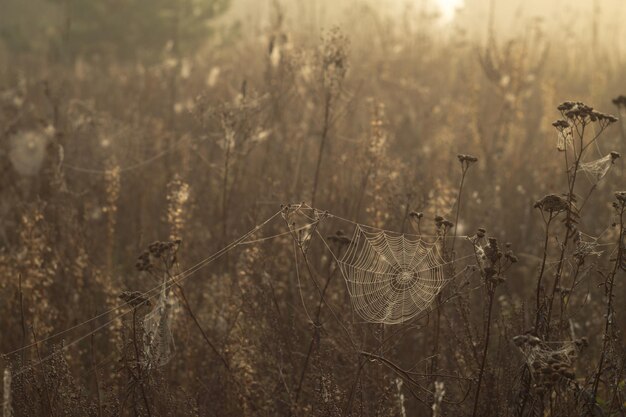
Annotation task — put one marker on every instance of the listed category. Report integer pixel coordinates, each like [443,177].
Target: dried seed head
[560,124]
[580,113]
[620,101]
[134,298]
[511,257]
[143,262]
[552,203]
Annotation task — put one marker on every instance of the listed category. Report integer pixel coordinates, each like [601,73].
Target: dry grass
[102,157]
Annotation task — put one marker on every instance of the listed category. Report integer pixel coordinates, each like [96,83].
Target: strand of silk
[306,206]
[175,280]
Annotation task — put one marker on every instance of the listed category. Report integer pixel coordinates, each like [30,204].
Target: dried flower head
[467,158]
[158,254]
[552,203]
[620,101]
[560,124]
[134,298]
[580,113]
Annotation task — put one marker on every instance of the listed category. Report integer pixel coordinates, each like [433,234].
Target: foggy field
[313,208]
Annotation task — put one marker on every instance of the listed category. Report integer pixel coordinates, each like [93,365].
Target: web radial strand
[157,331]
[598,168]
[390,278]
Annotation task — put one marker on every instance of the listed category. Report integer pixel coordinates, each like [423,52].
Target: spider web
[158,338]
[391,278]
[563,140]
[302,225]
[598,168]
[549,362]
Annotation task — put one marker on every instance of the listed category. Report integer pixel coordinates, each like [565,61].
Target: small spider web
[597,169]
[549,362]
[563,141]
[158,339]
[391,278]
[302,222]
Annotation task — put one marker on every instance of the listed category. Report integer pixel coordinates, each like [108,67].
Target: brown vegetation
[155,259]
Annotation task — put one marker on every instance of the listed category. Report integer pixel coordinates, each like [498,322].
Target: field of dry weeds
[387,217]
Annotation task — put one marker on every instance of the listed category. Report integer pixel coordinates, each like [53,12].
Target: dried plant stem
[616,387]
[199,327]
[138,359]
[609,315]
[323,140]
[622,132]
[404,374]
[22,316]
[543,267]
[316,330]
[481,371]
[208,341]
[43,374]
[407,208]
[435,351]
[96,377]
[569,221]
[458,209]
[227,146]
[357,379]
[363,189]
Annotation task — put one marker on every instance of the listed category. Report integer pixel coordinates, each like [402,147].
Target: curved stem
[543,268]
[481,372]
[609,305]
[458,211]
[138,359]
[323,140]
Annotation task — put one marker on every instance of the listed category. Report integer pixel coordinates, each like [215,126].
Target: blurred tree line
[123,29]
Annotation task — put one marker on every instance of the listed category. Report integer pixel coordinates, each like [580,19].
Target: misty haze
[331,208]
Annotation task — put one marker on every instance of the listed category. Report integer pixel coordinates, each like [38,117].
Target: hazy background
[124,122]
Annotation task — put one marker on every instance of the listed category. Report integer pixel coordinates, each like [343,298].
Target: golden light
[448,8]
